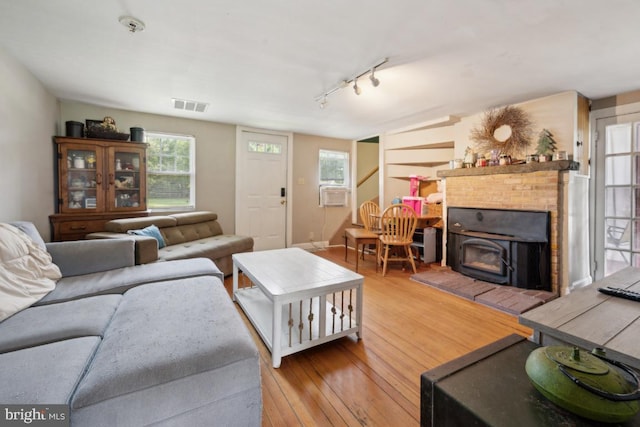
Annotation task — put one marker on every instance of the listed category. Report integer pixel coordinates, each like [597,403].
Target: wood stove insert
[507,247]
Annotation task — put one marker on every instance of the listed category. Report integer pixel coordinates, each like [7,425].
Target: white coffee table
[296,300]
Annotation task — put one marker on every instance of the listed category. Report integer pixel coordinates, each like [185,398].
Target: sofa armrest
[146,247]
[79,257]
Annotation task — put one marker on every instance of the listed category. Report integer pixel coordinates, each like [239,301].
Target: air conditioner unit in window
[333,196]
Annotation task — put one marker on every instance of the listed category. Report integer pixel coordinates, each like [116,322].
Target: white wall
[307,215]
[28,114]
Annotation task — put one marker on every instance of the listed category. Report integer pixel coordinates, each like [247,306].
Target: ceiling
[264,63]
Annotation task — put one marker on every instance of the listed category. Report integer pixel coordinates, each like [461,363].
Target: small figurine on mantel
[470,157]
[546,145]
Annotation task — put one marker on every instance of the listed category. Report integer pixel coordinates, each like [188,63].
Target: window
[170,171]
[265,147]
[334,168]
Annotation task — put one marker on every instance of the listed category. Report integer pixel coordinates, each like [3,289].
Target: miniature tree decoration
[546,143]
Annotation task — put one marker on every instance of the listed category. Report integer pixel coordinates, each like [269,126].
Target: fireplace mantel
[556,165]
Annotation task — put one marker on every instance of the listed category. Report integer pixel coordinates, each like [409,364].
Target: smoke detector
[134,25]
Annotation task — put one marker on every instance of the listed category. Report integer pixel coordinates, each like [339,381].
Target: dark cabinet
[97,180]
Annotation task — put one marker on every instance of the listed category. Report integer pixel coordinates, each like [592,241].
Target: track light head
[356,88]
[374,81]
[323,102]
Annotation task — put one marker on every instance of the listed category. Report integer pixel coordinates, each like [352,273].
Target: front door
[617,192]
[261,187]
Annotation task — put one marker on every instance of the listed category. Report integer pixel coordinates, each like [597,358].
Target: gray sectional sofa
[131,345]
[183,235]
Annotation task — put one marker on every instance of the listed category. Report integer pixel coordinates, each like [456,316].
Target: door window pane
[618,170]
[617,202]
[616,261]
[618,139]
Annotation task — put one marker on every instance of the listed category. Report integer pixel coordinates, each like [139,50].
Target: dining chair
[370,215]
[362,236]
[398,223]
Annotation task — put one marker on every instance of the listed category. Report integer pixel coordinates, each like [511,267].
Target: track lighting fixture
[356,89]
[375,82]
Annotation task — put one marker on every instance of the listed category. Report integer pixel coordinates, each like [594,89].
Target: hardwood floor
[408,329]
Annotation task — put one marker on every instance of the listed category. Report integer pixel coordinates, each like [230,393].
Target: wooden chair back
[398,224]
[370,215]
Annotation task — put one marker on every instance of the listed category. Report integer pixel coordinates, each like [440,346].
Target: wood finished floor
[408,329]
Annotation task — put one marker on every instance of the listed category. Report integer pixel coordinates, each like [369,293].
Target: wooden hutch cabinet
[97,181]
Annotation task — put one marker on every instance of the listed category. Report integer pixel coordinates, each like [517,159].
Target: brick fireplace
[534,186]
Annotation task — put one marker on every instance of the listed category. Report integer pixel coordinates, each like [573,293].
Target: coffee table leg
[345,247]
[235,281]
[276,347]
[359,311]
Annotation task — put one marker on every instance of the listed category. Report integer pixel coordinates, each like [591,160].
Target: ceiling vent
[184,104]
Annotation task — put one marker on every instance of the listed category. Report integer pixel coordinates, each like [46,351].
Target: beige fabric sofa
[186,235]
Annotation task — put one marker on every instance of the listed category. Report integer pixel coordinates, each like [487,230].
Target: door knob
[283,202]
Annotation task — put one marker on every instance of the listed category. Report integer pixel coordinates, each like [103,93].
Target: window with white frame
[171,172]
[334,168]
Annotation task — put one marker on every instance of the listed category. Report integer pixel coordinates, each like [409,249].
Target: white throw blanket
[27,273]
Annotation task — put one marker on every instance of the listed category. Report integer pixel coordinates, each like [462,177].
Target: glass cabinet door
[83,179]
[127,182]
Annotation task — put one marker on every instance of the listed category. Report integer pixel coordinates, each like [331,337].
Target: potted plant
[546,145]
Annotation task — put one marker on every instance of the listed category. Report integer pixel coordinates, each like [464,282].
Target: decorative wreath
[513,117]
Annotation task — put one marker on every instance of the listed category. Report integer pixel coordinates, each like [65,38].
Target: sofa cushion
[57,322]
[26,271]
[126,224]
[45,374]
[79,257]
[191,232]
[211,247]
[120,280]
[187,218]
[174,346]
[151,231]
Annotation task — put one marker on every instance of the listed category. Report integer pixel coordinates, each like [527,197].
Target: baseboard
[312,246]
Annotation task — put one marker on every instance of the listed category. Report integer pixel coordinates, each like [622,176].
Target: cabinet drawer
[68,227]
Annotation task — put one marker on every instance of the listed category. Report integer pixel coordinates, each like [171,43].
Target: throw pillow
[151,231]
[27,273]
